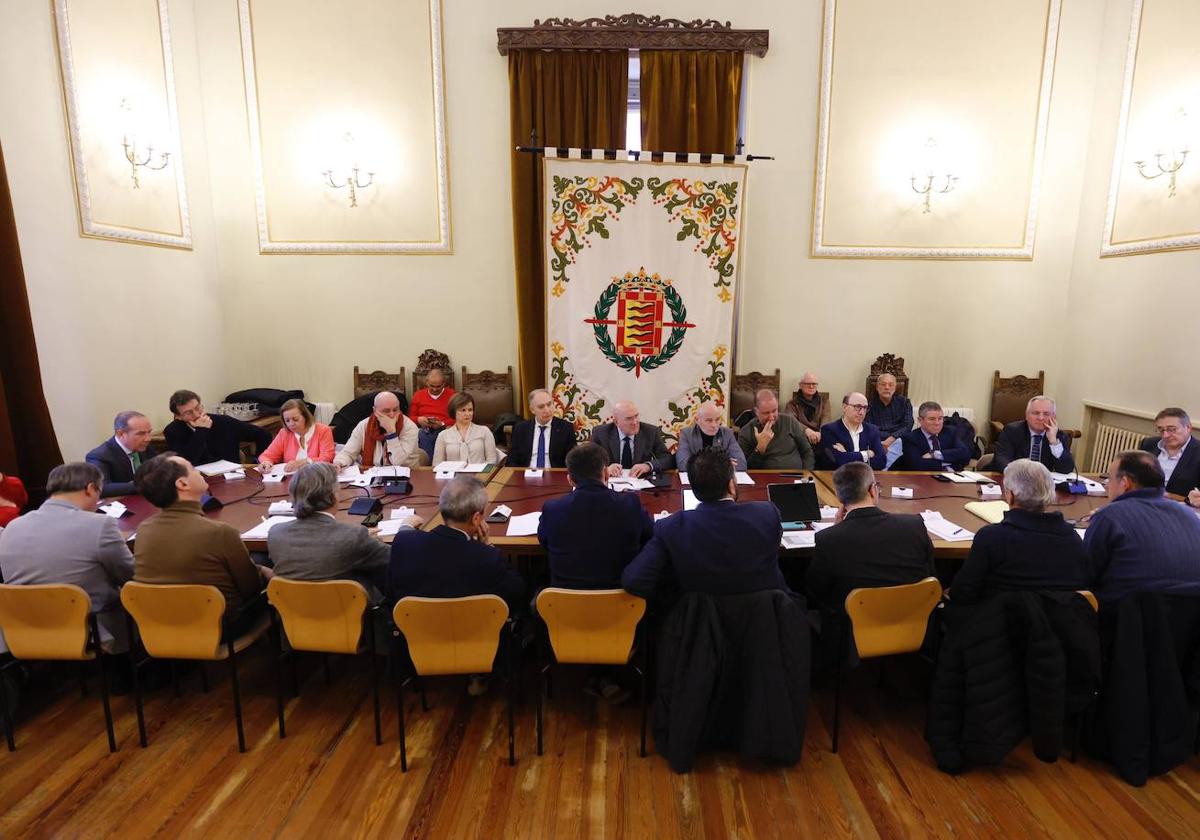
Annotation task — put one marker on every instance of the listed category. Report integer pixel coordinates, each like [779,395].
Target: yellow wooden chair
[591,627]
[885,621]
[322,617]
[50,621]
[451,636]
[183,621]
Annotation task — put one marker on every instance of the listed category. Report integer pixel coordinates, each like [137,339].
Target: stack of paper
[349,473]
[742,478]
[259,531]
[624,484]
[799,539]
[390,527]
[284,508]
[388,472]
[991,491]
[114,509]
[943,529]
[820,526]
[988,511]
[525,525]
[217,467]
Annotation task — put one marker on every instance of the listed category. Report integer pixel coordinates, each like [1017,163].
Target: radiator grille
[1108,442]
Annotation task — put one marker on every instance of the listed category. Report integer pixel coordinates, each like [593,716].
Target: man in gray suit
[631,444]
[65,541]
[318,547]
[705,432]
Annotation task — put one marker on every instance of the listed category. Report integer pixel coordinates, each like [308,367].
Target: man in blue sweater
[1142,541]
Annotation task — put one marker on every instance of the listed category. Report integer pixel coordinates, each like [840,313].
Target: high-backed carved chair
[1010,395]
[378,380]
[426,362]
[743,388]
[887,363]
[495,400]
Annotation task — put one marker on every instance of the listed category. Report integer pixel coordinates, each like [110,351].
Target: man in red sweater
[12,498]
[429,409]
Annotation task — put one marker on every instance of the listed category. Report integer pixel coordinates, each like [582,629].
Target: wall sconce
[136,160]
[924,184]
[1175,158]
[351,180]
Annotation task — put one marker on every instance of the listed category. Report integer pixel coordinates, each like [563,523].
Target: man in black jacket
[1177,453]
[202,438]
[1037,437]
[120,456]
[866,547]
[543,441]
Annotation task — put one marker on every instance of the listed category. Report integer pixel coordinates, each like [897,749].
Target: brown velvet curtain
[573,99]
[28,448]
[690,100]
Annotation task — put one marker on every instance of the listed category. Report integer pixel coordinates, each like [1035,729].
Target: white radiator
[1108,441]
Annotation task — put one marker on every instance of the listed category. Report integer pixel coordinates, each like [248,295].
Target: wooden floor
[329,779]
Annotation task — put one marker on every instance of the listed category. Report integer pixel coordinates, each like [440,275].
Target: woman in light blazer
[465,440]
[302,439]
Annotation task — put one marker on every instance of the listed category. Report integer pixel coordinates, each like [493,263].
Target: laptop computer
[797,504]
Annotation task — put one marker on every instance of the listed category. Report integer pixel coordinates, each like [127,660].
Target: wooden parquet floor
[327,779]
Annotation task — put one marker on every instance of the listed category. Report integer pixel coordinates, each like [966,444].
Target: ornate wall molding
[630,32]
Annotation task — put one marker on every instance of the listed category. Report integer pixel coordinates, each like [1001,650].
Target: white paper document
[902,492]
[944,529]
[975,476]
[820,526]
[390,527]
[217,467]
[114,509]
[390,471]
[277,508]
[234,475]
[259,531]
[349,473]
[799,539]
[959,478]
[533,473]
[662,514]
[525,525]
[275,475]
[689,500]
[451,466]
[744,478]
[624,484]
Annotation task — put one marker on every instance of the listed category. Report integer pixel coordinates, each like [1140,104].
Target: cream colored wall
[118,325]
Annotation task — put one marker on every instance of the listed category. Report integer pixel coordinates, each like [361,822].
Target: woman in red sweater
[12,498]
[302,439]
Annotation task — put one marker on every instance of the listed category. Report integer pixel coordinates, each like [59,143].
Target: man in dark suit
[592,533]
[1037,438]
[719,548]
[866,547]
[120,456]
[202,438]
[930,446]
[631,444]
[851,440]
[543,441]
[1177,453]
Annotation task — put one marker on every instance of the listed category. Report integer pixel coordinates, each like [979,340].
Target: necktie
[934,446]
[1035,448]
[541,451]
[135,458]
[626,454]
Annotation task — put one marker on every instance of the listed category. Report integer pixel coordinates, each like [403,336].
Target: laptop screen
[795,502]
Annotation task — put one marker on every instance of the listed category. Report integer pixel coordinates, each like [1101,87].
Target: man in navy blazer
[930,446]
[1177,453]
[631,444]
[719,548]
[850,439]
[545,435]
[120,456]
[1037,438]
[592,533]
[453,560]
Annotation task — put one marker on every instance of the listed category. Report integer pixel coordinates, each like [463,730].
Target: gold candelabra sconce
[139,159]
[924,185]
[1168,163]
[352,180]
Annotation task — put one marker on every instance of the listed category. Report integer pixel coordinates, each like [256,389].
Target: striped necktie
[1035,448]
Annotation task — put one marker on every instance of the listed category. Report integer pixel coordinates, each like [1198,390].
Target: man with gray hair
[456,559]
[318,547]
[1031,548]
[386,438]
[1037,438]
[631,444]
[929,446]
[120,456]
[774,441]
[708,431]
[866,547]
[891,413]
[1177,453]
[543,441]
[64,541]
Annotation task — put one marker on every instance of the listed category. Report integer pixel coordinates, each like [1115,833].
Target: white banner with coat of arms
[641,274]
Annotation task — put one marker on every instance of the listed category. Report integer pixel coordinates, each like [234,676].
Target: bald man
[851,438]
[774,441]
[630,444]
[386,438]
[707,431]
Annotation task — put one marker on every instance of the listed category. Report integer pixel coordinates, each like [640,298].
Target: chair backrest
[45,620]
[1088,596]
[891,619]
[1011,394]
[594,627]
[176,621]
[451,635]
[887,363]
[426,362]
[378,380]
[494,393]
[324,616]
[745,385]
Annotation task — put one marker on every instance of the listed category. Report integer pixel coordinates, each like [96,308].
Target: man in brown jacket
[180,545]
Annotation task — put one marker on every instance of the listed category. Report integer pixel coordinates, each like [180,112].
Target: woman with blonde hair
[302,439]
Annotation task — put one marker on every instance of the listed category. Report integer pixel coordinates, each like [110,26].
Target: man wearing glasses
[851,438]
[202,438]
[1177,453]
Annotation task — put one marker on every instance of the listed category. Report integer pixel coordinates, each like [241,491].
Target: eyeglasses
[1166,430]
[856,407]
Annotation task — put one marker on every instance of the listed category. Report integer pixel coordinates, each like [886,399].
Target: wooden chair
[887,363]
[378,380]
[1090,597]
[183,621]
[743,388]
[495,396]
[596,627]
[51,621]
[426,362]
[322,617]
[451,636]
[885,621]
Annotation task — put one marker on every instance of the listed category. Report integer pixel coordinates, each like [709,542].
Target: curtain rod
[636,154]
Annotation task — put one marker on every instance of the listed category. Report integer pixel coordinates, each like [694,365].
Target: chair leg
[512,700]
[541,690]
[108,719]
[400,718]
[837,684]
[237,697]
[204,677]
[8,723]
[137,684]
[279,654]
[325,665]
[374,681]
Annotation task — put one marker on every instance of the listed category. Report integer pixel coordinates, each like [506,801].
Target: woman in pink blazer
[302,439]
